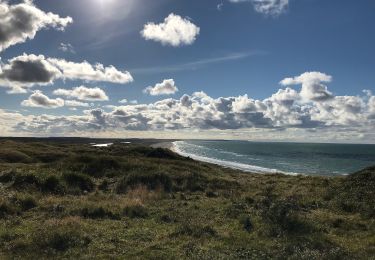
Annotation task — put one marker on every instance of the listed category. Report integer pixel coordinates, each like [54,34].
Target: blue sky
[239,50]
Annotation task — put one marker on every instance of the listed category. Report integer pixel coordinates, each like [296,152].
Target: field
[62,198]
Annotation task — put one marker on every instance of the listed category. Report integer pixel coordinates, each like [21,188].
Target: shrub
[151,181]
[6,209]
[22,181]
[60,236]
[100,166]
[52,184]
[11,156]
[162,154]
[7,176]
[281,217]
[195,230]
[80,181]
[135,211]
[98,213]
[26,202]
[191,182]
[245,221]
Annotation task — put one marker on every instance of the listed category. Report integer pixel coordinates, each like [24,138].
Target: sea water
[288,158]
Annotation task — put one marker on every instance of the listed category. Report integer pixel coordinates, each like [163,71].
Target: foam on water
[178,148]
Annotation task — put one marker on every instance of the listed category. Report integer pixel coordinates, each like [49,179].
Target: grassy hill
[66,199]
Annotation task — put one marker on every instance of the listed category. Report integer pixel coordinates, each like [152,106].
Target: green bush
[98,213]
[195,230]
[60,238]
[80,181]
[52,184]
[12,156]
[26,202]
[135,211]
[99,166]
[6,209]
[245,221]
[22,181]
[151,180]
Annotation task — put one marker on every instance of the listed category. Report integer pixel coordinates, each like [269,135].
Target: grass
[65,199]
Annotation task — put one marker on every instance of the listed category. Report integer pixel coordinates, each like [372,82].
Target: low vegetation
[66,199]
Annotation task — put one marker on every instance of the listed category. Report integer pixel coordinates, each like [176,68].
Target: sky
[263,70]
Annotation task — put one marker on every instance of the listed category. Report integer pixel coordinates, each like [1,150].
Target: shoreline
[247,168]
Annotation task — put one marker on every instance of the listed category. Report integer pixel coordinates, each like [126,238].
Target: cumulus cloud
[267,7]
[83,93]
[287,111]
[86,71]
[38,99]
[174,31]
[26,71]
[75,103]
[167,87]
[312,85]
[20,22]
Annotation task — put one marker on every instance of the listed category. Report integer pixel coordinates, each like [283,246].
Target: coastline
[226,164]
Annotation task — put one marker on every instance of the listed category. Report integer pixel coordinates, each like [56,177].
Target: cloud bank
[287,112]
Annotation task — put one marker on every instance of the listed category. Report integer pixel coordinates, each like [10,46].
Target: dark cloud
[22,21]
[28,72]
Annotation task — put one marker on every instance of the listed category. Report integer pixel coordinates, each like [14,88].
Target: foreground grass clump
[63,199]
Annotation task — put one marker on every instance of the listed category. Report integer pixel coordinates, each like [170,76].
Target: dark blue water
[290,158]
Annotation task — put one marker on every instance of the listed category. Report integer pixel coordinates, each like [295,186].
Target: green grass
[65,199]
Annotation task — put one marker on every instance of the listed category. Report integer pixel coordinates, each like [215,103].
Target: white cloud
[66,47]
[174,31]
[38,99]
[26,71]
[285,114]
[123,101]
[86,71]
[167,87]
[75,103]
[312,85]
[83,93]
[20,22]
[267,7]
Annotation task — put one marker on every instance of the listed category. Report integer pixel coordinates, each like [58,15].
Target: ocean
[287,158]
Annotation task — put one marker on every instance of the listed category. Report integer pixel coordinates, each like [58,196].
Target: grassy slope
[66,200]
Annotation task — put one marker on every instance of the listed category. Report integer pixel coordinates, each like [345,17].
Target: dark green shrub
[6,209]
[7,176]
[27,203]
[135,211]
[100,166]
[162,154]
[194,230]
[235,210]
[245,221]
[191,182]
[98,213]
[104,186]
[52,184]
[11,156]
[60,238]
[49,157]
[22,181]
[151,180]
[211,194]
[80,181]
[281,217]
